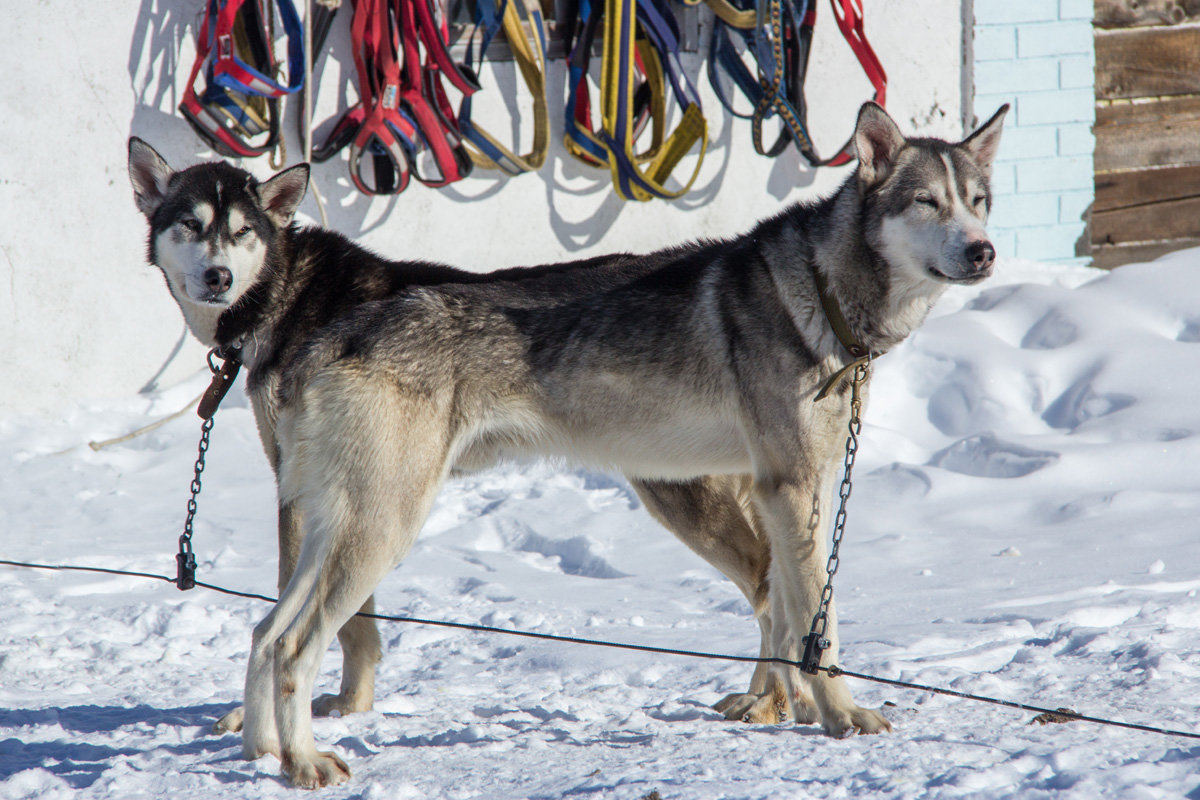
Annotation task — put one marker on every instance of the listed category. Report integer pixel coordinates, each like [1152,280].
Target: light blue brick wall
[1038,56]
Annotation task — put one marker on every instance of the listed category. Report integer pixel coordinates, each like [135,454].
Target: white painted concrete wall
[83,316]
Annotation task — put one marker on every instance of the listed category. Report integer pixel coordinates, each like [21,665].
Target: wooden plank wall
[1147,156]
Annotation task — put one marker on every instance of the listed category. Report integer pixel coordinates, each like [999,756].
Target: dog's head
[211,226]
[928,199]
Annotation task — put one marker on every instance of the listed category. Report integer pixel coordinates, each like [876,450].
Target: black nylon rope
[832,671]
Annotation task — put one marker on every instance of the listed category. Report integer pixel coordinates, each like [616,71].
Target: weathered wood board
[1138,13]
[1147,62]
[1147,133]
[1147,156]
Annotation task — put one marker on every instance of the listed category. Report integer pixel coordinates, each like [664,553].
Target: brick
[1054,174]
[1048,243]
[1004,176]
[995,42]
[1017,75]
[1004,240]
[1076,9]
[1076,72]
[1051,108]
[1039,141]
[1006,12]
[1054,39]
[1076,139]
[986,104]
[1073,205]
[1020,211]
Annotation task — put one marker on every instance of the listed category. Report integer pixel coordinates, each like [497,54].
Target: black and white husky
[692,370]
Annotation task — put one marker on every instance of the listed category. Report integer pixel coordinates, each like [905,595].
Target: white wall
[83,316]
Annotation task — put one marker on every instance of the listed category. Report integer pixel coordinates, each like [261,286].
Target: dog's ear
[149,174]
[281,196]
[983,143]
[878,141]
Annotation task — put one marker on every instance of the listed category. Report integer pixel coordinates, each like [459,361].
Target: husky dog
[692,370]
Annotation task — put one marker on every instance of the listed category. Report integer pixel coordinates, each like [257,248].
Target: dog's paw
[764,709]
[231,722]
[856,720]
[804,709]
[316,770]
[329,704]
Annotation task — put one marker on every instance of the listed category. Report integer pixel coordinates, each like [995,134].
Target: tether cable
[832,671]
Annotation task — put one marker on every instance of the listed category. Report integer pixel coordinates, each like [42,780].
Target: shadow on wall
[160,60]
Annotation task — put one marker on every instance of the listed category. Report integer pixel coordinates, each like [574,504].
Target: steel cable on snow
[832,671]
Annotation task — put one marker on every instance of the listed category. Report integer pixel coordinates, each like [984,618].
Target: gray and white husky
[692,370]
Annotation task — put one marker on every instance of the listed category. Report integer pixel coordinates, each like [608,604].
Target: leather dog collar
[841,329]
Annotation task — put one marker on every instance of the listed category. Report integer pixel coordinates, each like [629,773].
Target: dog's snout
[981,255]
[218,279]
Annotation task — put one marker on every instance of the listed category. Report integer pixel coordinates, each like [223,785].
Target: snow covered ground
[1023,525]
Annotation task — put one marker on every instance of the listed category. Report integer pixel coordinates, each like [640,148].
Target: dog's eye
[242,231]
[193,226]
[979,201]
[926,200]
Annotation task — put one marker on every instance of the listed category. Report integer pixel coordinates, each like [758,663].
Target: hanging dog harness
[403,120]
[623,99]
[529,52]
[778,34]
[240,97]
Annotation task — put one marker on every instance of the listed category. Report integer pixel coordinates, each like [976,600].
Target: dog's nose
[218,279]
[981,254]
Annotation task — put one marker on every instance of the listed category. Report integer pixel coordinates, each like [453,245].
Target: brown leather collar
[859,354]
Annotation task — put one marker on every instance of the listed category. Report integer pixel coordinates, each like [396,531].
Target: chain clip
[815,643]
[223,376]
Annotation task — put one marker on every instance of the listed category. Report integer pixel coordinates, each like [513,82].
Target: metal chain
[185,559]
[815,642]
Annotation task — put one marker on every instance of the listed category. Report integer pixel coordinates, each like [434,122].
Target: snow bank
[1023,526]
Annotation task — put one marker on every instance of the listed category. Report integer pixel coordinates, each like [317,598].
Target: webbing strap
[631,181]
[403,125]
[728,13]
[378,125]
[636,176]
[769,42]
[778,33]
[723,55]
[229,113]
[529,51]
[230,71]
[424,96]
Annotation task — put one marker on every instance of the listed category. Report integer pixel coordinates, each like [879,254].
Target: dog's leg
[361,651]
[714,517]
[364,465]
[259,729]
[359,638]
[357,554]
[791,514]
[289,534]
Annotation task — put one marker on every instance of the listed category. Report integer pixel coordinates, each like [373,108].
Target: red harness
[223,114]
[404,120]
